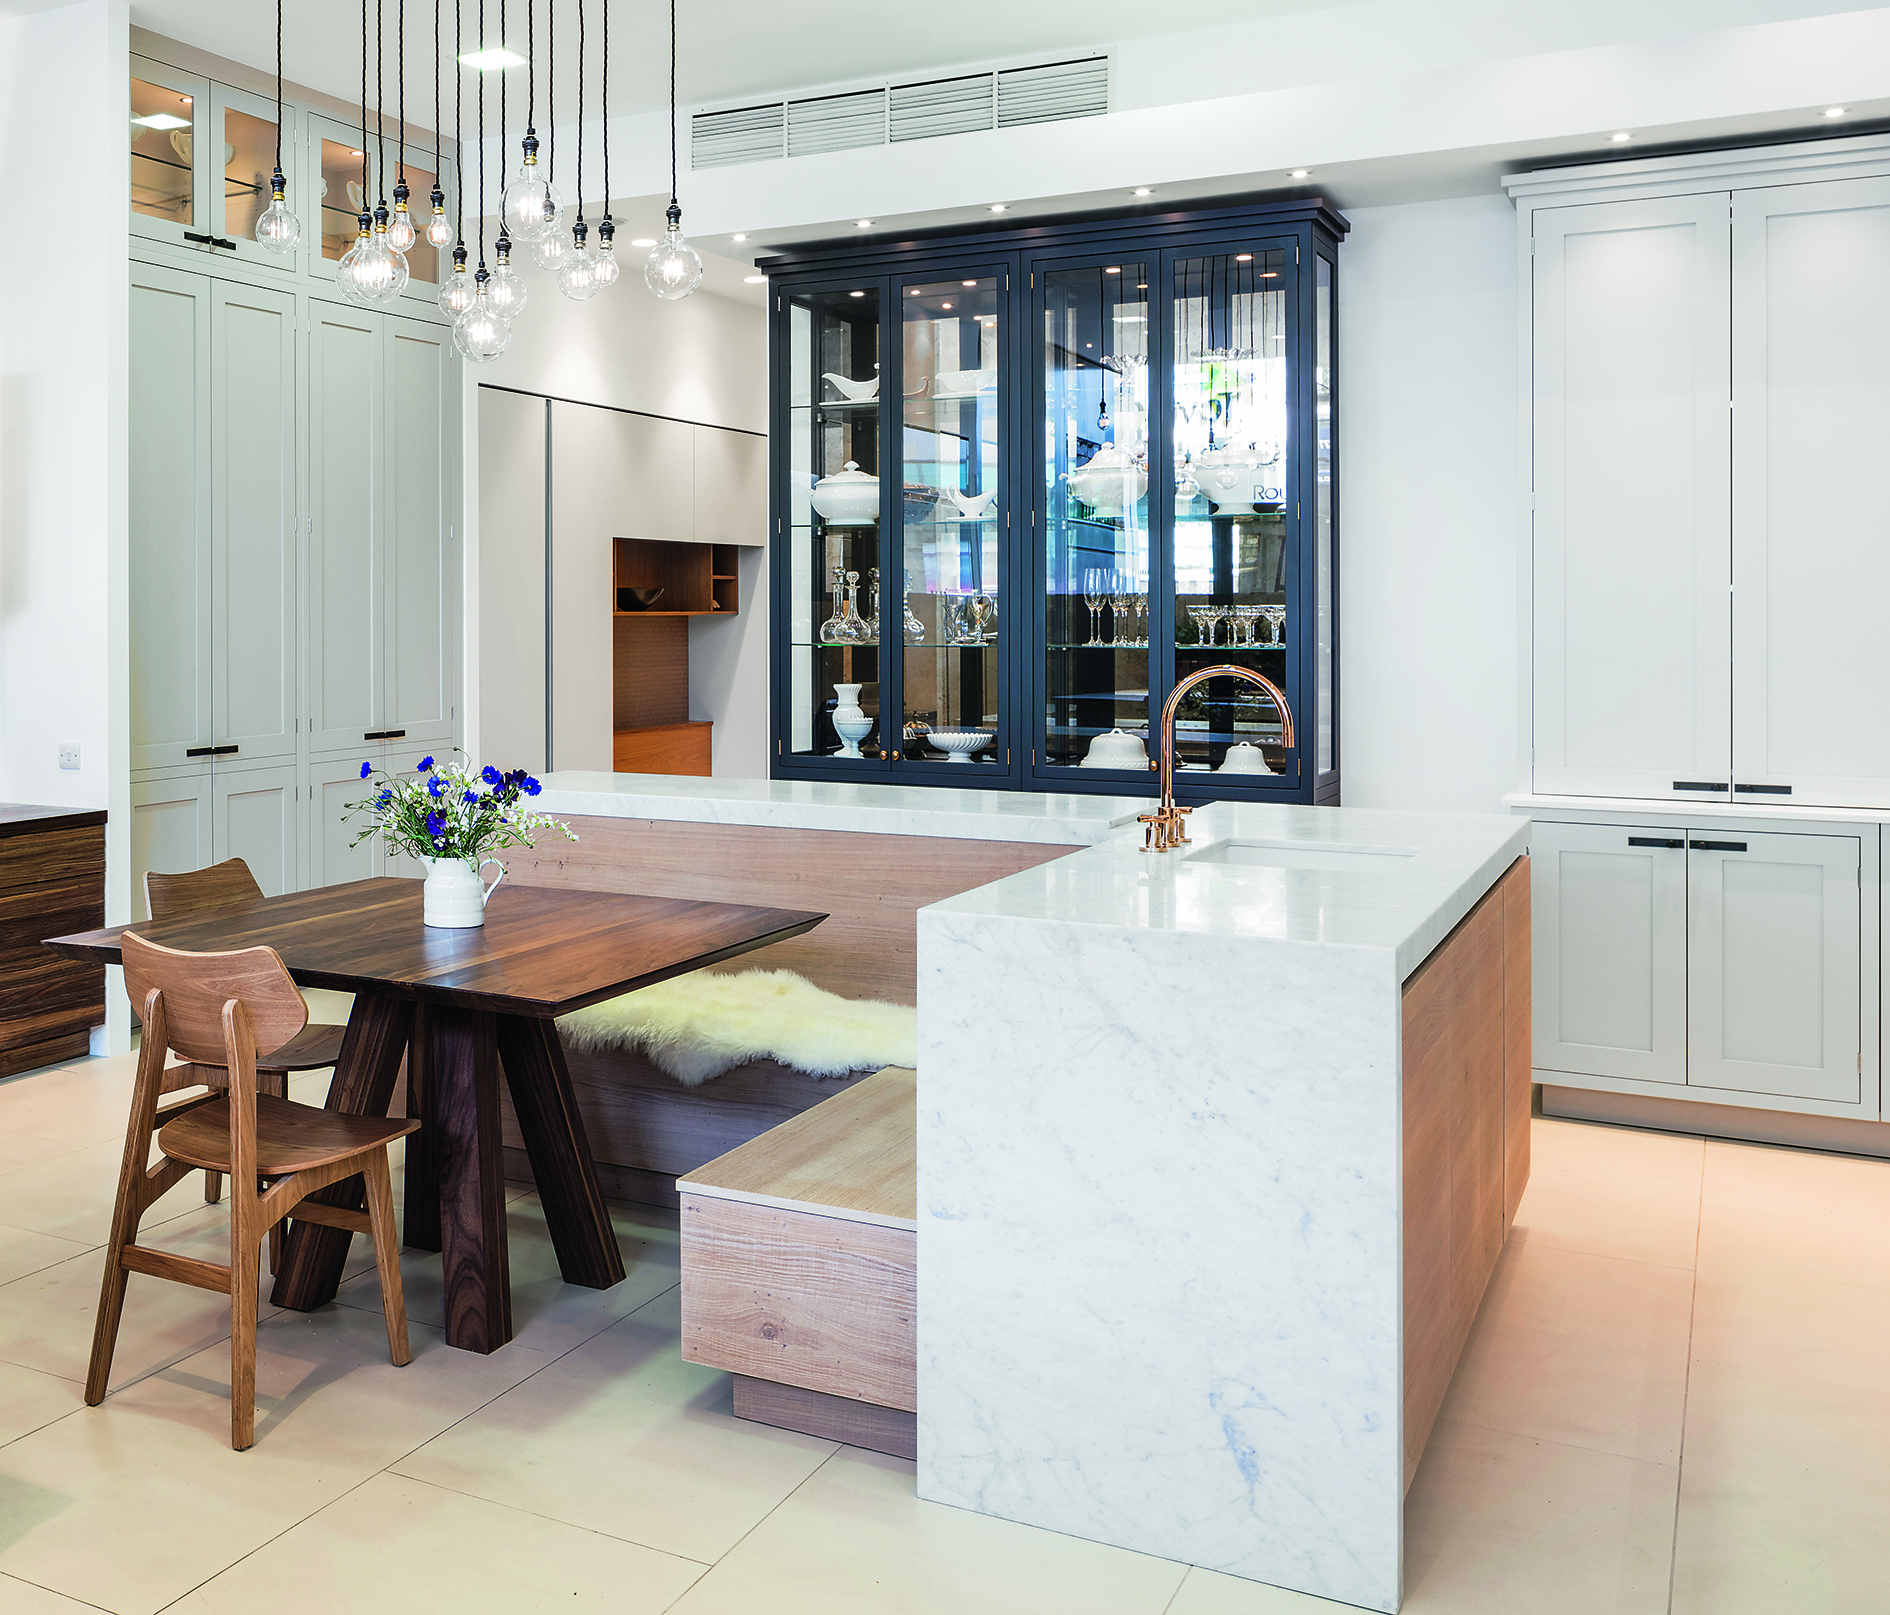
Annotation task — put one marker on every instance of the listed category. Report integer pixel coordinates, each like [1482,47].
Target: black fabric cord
[672,103]
[401,68]
[482,142]
[380,100]
[551,89]
[459,141]
[580,115]
[605,5]
[278,86]
[364,103]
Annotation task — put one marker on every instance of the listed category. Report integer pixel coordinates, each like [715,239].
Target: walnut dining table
[461,1006]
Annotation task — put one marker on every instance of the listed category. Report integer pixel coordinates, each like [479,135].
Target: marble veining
[910,810]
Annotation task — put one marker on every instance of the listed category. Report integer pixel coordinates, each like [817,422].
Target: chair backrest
[196,986]
[223,885]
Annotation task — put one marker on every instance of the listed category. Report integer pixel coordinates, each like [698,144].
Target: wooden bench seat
[800,1271]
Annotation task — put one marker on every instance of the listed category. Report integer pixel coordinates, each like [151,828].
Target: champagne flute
[1093,598]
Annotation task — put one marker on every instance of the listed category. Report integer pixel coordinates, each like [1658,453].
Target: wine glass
[1093,596]
[1119,599]
[1141,619]
[1247,619]
[1203,620]
[1276,620]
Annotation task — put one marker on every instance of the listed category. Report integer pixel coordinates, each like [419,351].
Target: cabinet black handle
[224,751]
[201,751]
[385,734]
[1764,790]
[1717,846]
[198,237]
[1698,785]
[1654,841]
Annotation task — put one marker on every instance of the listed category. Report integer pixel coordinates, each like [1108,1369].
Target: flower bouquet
[453,818]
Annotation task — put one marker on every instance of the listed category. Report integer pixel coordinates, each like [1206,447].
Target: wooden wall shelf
[653,732]
[697,580]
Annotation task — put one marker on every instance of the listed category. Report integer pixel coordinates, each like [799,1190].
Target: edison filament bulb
[457,295]
[608,268]
[674,268]
[577,279]
[505,291]
[400,231]
[279,230]
[439,227]
[481,333]
[532,205]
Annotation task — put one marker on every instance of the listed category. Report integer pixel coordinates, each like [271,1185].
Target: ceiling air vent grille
[941,107]
[836,123]
[1058,90]
[740,135]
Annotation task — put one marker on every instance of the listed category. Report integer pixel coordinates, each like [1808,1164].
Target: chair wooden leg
[245,1281]
[111,1306]
[212,1188]
[380,1205]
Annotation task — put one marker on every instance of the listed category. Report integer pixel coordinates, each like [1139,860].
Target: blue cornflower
[491,775]
[436,786]
[469,796]
[366,769]
[383,799]
[425,764]
[532,787]
[436,824]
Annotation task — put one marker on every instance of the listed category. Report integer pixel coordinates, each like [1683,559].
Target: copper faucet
[1165,826]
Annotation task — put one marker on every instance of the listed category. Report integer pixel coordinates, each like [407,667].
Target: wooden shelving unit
[653,732]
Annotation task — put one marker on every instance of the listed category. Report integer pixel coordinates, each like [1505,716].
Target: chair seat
[289,1137]
[311,1049]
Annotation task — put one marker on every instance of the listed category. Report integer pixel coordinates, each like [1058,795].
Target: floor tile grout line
[7,1575]
[1567,1446]
[839,1448]
[1186,1572]
[1686,1389]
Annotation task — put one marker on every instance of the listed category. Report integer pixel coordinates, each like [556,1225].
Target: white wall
[64,621]
[1428,471]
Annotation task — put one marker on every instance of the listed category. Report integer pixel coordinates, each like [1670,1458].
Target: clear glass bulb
[505,291]
[531,205]
[608,269]
[552,250]
[401,234]
[347,270]
[578,278]
[380,273]
[674,268]
[481,333]
[439,227]
[458,294]
[278,229]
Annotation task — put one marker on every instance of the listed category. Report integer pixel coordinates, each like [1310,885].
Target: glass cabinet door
[947,603]
[167,169]
[1095,357]
[1234,591]
[243,160]
[833,511]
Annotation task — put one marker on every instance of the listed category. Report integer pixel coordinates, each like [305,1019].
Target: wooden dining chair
[316,1047]
[220,1009]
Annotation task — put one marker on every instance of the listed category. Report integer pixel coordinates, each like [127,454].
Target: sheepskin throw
[700,1025]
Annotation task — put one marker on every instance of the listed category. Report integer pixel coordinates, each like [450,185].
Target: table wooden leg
[422,1176]
[314,1254]
[546,1106]
[461,1086]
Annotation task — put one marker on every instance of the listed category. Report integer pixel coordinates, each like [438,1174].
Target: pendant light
[481,333]
[577,279]
[674,268]
[505,291]
[401,234]
[366,268]
[439,227]
[531,204]
[279,230]
[386,273]
[458,294]
[551,247]
[607,268]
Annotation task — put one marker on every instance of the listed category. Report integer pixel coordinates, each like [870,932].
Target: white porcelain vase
[455,895]
[850,723]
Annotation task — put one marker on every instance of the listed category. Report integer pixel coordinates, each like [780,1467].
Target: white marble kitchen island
[1216,1151]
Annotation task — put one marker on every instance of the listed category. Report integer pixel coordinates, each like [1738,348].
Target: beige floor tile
[1612,1191]
[1794,1326]
[71,1196]
[132,1504]
[1498,1523]
[23,1598]
[1796,1183]
[622,1436]
[546,1312]
[1590,1351]
[30,1400]
[23,1252]
[854,1540]
[420,1548]
[46,1318]
[1781,1231]
[1567,1146]
[1783,1498]
[52,1112]
[1208,1592]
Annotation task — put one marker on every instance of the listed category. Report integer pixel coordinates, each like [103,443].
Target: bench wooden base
[832,1418]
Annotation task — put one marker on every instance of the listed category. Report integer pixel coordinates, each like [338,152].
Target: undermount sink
[1358,860]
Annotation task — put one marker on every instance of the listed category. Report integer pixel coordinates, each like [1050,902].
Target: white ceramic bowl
[854,390]
[1110,483]
[960,744]
[848,498]
[1244,758]
[971,506]
[956,383]
[1117,749]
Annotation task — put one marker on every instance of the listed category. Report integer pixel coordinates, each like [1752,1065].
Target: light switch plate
[69,755]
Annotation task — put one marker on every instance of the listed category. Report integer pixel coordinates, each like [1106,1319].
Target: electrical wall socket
[69,755]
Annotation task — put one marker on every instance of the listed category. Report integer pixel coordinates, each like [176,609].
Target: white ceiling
[727,49]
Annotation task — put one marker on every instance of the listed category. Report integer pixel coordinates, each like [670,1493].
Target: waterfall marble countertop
[892,810]
[1346,877]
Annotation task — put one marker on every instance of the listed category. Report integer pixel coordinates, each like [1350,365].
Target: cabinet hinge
[777,748]
[1532,246]
[1532,499]
[1296,252]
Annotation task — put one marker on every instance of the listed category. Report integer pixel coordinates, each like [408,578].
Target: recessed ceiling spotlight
[738,238]
[1835,112]
[999,207]
[862,224]
[492,59]
[1622,138]
[856,294]
[1302,173]
[1113,269]
[363,154]
[1141,190]
[967,283]
[184,99]
[944,305]
[641,241]
[754,280]
[1243,257]
[166,120]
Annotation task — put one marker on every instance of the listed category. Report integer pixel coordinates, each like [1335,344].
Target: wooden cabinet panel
[731,486]
[609,478]
[420,626]
[170,516]
[1518,1019]
[255,818]
[1773,964]
[170,829]
[331,860]
[1811,379]
[1633,471]
[345,573]
[253,464]
[1610,950]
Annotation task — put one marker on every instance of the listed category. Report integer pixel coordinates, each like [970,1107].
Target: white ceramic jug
[455,895]
[849,721]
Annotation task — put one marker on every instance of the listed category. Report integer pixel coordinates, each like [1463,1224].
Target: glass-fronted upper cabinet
[1116,469]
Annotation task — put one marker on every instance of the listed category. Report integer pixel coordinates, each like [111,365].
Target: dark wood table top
[27,818]
[543,950]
